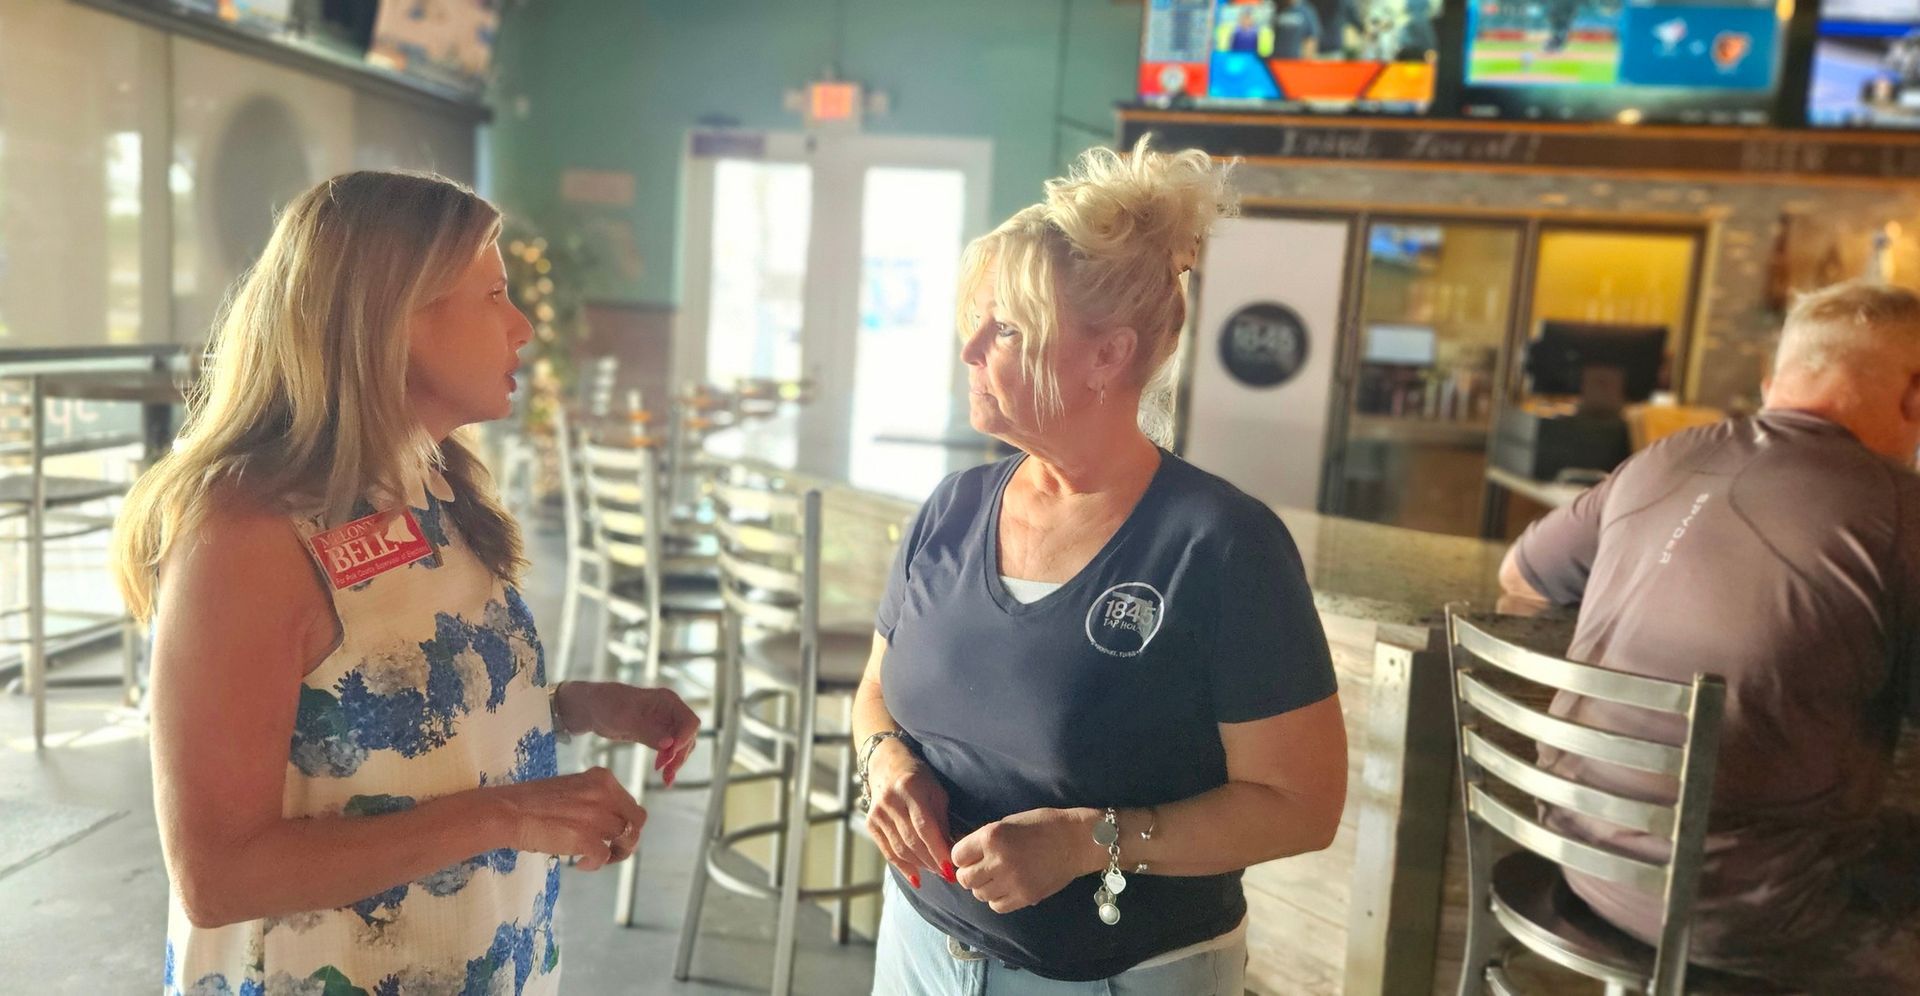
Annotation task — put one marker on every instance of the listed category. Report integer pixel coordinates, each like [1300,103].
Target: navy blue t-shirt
[1107,692]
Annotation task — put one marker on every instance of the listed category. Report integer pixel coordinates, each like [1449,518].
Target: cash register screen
[1400,345]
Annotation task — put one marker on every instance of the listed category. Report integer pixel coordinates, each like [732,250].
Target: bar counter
[1363,916]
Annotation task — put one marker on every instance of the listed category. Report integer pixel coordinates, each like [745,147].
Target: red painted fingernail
[947,871]
[914,879]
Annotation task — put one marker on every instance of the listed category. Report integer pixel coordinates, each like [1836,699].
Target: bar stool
[583,560]
[698,412]
[1523,895]
[647,595]
[46,509]
[771,638]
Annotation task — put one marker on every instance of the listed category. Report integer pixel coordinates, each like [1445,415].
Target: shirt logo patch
[369,547]
[1125,618]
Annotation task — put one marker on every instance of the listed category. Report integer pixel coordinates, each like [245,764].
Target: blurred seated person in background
[1782,552]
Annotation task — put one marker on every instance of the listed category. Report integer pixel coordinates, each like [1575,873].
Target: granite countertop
[1386,574]
[1358,570]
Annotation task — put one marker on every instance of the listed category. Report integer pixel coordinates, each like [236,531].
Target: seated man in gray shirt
[1782,552]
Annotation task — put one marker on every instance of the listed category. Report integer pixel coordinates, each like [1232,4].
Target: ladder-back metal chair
[780,664]
[1523,894]
[594,406]
[647,597]
[586,565]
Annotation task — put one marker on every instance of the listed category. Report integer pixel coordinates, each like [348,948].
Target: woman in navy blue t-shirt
[1099,688]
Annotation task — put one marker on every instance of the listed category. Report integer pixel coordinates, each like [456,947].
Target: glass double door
[1440,311]
[834,259]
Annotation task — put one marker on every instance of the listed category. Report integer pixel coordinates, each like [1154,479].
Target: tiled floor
[89,918]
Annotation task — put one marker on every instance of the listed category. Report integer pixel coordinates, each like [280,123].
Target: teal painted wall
[616,84]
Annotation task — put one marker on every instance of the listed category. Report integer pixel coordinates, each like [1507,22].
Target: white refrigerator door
[1269,310]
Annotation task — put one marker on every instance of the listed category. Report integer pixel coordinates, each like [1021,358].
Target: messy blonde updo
[1108,248]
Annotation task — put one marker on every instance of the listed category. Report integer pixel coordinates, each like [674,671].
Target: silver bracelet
[560,731]
[1106,833]
[1153,822]
[866,759]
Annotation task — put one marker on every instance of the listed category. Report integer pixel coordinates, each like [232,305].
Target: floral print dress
[437,686]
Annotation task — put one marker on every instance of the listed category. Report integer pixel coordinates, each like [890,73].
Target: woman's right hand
[908,820]
[590,815]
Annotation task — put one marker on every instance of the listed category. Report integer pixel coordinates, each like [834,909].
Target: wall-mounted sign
[1264,344]
[1704,152]
[717,144]
[606,187]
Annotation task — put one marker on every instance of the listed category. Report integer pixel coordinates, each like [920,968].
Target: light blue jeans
[911,959]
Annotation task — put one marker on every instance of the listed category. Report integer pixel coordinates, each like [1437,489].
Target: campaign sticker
[367,548]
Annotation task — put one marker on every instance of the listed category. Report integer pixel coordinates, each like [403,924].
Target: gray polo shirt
[1778,552]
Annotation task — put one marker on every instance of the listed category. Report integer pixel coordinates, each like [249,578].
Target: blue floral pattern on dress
[465,699]
[434,527]
[380,908]
[334,732]
[536,756]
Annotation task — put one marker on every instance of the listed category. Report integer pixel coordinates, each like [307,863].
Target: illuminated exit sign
[835,103]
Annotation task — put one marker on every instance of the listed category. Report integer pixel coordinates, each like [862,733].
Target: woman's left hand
[1016,862]
[655,717]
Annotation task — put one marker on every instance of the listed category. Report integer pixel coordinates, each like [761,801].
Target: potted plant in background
[547,278]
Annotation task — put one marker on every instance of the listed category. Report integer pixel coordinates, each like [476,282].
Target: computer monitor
[1557,361]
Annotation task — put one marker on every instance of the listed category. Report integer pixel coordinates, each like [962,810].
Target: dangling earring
[1103,394]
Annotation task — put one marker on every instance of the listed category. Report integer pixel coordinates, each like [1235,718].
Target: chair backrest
[1648,424]
[573,502]
[769,562]
[697,413]
[599,386]
[1485,700]
[619,483]
[769,557]
[762,397]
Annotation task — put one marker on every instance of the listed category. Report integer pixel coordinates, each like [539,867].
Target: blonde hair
[1855,323]
[1108,248]
[302,405]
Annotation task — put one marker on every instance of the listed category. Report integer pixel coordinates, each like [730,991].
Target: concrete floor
[90,917]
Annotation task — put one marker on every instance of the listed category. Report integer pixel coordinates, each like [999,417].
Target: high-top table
[147,375]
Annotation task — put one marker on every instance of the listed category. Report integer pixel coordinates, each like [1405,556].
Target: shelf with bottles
[1408,372]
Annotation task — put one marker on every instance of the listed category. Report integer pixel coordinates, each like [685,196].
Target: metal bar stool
[771,638]
[1523,895]
[51,509]
[586,566]
[648,597]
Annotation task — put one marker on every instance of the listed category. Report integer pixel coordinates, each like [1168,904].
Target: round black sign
[1264,344]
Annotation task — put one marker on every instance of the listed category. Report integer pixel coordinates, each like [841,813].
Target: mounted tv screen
[1629,61]
[1866,65]
[450,41]
[1340,56]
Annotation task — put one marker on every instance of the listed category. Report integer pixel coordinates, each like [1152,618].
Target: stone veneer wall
[1738,333]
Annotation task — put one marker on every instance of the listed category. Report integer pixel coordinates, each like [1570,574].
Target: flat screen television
[450,41]
[1866,65]
[1338,56]
[1415,246]
[1557,361]
[1630,61]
